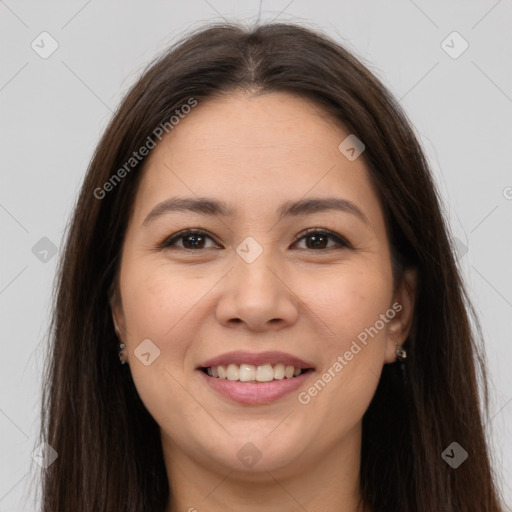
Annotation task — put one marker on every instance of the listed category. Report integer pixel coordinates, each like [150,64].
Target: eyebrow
[213,207]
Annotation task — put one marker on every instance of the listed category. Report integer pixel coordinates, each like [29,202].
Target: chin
[258,453]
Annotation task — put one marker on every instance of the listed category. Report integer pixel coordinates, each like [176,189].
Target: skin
[254,153]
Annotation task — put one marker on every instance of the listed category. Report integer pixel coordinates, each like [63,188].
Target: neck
[330,482]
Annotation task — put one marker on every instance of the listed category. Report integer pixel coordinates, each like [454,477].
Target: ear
[403,304]
[118,317]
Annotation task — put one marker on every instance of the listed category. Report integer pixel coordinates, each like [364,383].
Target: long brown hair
[110,454]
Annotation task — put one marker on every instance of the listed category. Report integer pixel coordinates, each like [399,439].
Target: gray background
[55,109]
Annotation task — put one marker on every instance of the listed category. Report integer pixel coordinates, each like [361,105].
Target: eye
[195,239]
[321,236]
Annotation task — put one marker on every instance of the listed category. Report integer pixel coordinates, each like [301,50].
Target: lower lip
[258,392]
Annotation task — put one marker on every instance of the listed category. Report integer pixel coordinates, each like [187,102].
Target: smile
[255,392]
[252,373]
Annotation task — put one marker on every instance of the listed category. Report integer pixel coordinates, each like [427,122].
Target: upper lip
[260,358]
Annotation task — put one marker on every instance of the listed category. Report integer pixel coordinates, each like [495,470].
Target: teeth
[265,373]
[251,373]
[247,372]
[233,372]
[279,371]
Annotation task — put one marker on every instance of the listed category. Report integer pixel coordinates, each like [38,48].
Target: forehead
[260,128]
[252,151]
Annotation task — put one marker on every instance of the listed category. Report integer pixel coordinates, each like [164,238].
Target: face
[312,288]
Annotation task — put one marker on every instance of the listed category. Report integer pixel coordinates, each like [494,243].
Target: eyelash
[169,242]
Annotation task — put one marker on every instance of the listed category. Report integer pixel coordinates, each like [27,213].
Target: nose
[258,294]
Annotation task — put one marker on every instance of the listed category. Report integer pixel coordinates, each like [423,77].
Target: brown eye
[190,239]
[316,240]
[319,239]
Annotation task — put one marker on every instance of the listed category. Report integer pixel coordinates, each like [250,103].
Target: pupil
[315,238]
[189,237]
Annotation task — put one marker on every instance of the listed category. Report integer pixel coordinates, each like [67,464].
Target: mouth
[254,374]
[255,379]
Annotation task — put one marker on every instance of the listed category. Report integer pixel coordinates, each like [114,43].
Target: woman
[258,306]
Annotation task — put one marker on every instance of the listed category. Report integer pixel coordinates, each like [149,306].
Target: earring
[121,347]
[401,355]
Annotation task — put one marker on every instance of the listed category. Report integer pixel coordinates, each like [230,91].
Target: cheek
[349,302]
[157,306]
[352,307]
[161,308]
[156,301]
